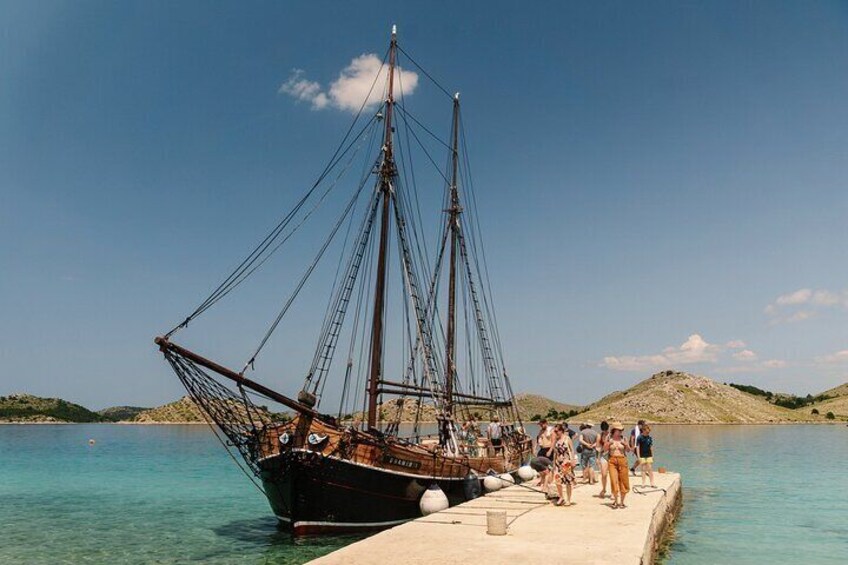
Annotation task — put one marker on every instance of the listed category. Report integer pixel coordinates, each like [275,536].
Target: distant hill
[120,413]
[388,409]
[26,408]
[841,390]
[186,411]
[530,405]
[675,397]
[836,402]
[182,411]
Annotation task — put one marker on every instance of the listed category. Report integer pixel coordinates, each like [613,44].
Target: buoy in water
[526,473]
[507,479]
[433,500]
[91,442]
[492,483]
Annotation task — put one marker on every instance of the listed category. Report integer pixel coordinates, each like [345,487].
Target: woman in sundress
[563,465]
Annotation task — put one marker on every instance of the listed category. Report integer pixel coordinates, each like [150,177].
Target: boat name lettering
[405,463]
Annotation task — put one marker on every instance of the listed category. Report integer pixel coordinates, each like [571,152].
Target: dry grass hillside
[182,411]
[675,397]
[532,404]
[185,411]
[388,411]
[528,405]
[838,404]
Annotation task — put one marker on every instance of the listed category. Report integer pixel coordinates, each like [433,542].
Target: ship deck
[588,532]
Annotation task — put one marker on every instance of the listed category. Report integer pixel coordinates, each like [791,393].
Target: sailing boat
[334,471]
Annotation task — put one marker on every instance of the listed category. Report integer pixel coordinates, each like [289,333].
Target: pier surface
[590,531]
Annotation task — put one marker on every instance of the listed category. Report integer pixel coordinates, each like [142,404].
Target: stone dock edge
[537,530]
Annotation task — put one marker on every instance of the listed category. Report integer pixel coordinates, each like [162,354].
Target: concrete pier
[590,531]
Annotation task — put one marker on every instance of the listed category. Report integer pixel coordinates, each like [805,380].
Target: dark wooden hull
[312,494]
[325,488]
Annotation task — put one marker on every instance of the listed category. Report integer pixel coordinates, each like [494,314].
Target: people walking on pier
[618,447]
[563,465]
[645,453]
[544,448]
[588,447]
[634,436]
[603,458]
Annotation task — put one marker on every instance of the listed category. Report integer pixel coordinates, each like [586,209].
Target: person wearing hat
[618,447]
[587,443]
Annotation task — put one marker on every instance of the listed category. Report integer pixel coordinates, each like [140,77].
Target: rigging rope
[244,270]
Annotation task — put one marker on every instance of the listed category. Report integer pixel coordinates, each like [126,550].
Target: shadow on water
[277,544]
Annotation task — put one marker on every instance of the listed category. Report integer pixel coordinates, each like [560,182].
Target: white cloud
[745,355]
[304,90]
[800,296]
[694,350]
[834,358]
[804,304]
[350,89]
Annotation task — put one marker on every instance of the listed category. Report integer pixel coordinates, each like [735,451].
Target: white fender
[526,473]
[492,483]
[433,500]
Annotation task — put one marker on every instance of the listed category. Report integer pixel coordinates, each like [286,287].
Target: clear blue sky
[648,172]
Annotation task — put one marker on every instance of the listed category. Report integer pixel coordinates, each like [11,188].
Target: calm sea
[170,494]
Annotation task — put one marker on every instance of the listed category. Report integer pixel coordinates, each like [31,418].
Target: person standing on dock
[634,437]
[588,441]
[618,447]
[603,458]
[563,465]
[544,448]
[645,453]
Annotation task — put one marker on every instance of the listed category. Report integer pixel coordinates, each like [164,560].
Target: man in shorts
[588,443]
[544,448]
[634,437]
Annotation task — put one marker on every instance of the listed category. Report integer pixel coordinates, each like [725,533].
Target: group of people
[469,434]
[559,450]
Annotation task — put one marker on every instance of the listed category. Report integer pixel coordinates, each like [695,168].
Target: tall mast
[387,173]
[453,226]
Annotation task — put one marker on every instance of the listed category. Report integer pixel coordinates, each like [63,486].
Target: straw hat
[588,424]
[616,426]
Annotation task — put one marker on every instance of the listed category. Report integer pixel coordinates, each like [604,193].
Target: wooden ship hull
[321,479]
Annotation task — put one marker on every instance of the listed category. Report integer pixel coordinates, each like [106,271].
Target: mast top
[394,31]
[456,96]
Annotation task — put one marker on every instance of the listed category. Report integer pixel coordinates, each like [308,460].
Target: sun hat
[588,424]
[616,426]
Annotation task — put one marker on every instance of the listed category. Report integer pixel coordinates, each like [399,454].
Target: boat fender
[471,487]
[433,500]
[526,473]
[285,438]
[492,483]
[507,480]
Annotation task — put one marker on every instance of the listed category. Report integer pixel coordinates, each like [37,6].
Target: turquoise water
[170,494]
